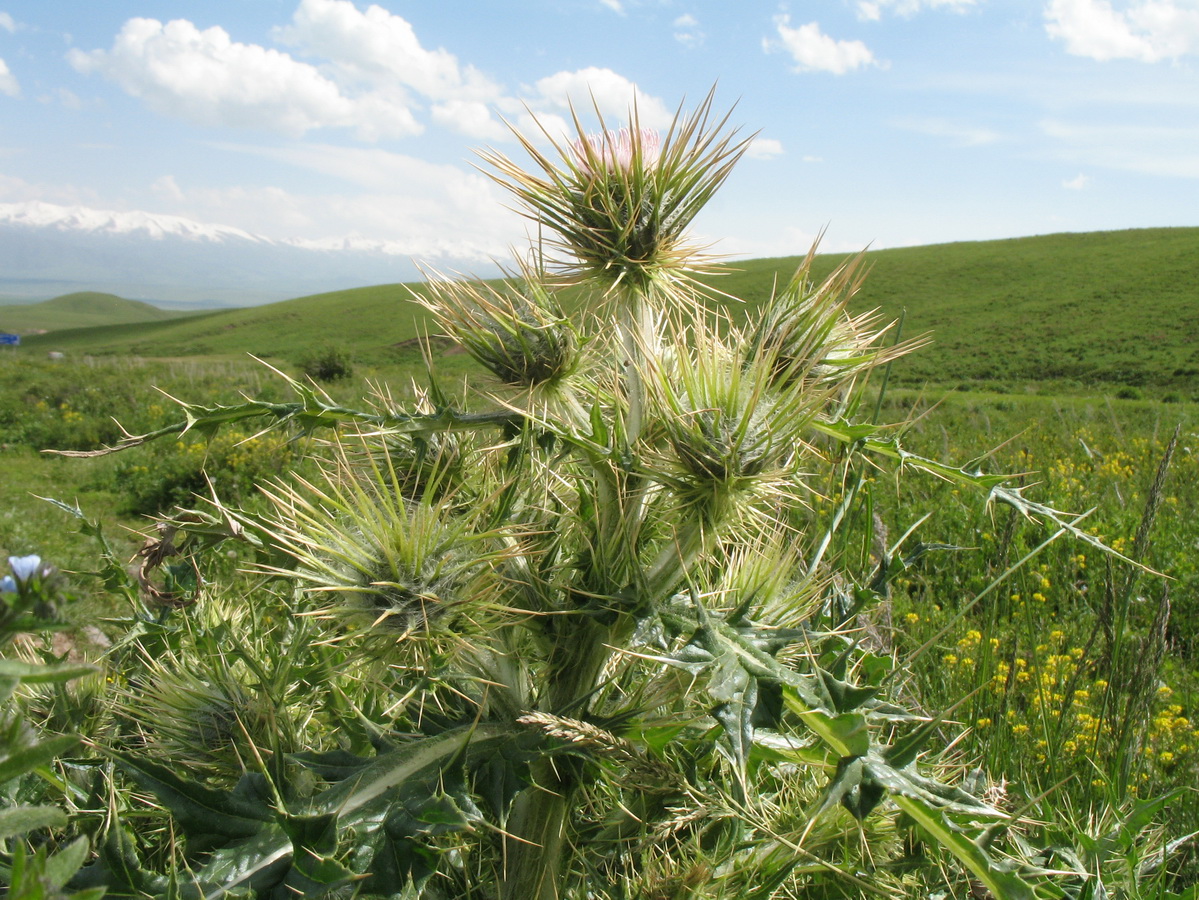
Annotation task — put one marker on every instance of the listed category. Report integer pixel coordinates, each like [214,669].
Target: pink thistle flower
[616,150]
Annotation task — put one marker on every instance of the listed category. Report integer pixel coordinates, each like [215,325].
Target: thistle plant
[610,637]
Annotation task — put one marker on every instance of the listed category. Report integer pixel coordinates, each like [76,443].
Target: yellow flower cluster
[1050,694]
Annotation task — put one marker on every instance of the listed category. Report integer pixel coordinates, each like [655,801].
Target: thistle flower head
[620,201]
[517,330]
[195,716]
[732,435]
[812,340]
[203,717]
[410,573]
[617,151]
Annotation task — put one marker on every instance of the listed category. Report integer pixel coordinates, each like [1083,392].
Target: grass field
[1003,315]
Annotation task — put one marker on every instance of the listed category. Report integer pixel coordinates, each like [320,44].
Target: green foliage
[616,613]
[76,404]
[328,362]
[29,597]
[172,474]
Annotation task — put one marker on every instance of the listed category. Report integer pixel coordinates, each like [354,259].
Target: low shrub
[328,363]
[173,473]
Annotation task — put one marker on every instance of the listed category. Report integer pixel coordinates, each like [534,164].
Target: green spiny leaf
[30,673]
[198,809]
[25,759]
[22,819]
[1003,885]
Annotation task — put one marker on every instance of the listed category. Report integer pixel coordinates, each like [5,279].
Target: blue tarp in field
[14,339]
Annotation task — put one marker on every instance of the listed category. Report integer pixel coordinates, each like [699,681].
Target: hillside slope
[1103,307]
[83,309]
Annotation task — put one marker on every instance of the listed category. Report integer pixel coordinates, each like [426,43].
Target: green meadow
[1068,678]
[1074,313]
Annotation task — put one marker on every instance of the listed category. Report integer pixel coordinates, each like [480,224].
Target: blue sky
[888,123]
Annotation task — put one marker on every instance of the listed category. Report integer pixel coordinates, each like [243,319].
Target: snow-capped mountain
[47,250]
[38,214]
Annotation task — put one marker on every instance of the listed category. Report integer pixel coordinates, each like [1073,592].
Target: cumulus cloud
[764,148]
[365,70]
[872,10]
[7,23]
[208,78]
[8,82]
[1077,183]
[611,93]
[814,51]
[1143,30]
[378,48]
[687,31]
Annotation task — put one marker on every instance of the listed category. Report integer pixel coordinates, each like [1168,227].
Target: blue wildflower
[24,567]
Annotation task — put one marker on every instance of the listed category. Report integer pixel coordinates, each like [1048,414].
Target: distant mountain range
[47,250]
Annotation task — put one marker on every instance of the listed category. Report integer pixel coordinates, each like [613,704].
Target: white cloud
[17,190]
[378,48]
[790,241]
[8,82]
[1170,151]
[7,23]
[427,207]
[61,95]
[687,31]
[206,77]
[1077,183]
[814,51]
[472,118]
[612,94]
[959,134]
[364,70]
[764,148]
[167,188]
[872,10]
[615,5]
[1143,30]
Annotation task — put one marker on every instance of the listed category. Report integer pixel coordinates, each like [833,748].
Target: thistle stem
[535,847]
[537,826]
[633,384]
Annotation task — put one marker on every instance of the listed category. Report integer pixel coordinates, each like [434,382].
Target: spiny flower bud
[620,201]
[517,332]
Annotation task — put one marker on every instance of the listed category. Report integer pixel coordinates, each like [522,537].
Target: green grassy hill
[84,309]
[1118,308]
